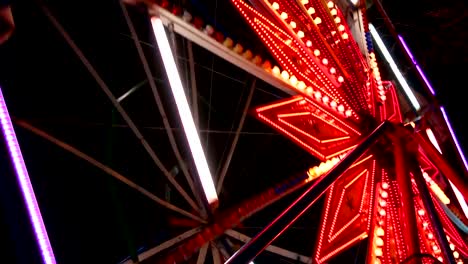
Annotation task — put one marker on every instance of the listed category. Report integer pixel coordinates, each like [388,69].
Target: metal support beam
[407,196]
[304,202]
[202,253]
[116,104]
[431,211]
[193,84]
[459,181]
[197,36]
[215,254]
[106,169]
[236,138]
[169,243]
[274,249]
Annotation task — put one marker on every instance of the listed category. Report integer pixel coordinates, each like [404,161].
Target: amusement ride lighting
[25,184]
[423,76]
[184,111]
[394,68]
[433,140]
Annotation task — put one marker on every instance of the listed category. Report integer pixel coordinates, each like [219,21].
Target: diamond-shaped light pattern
[342,95]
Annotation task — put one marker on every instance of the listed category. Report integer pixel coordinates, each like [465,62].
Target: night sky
[91,217]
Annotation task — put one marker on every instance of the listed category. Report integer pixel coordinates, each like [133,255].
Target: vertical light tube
[394,68]
[184,111]
[452,133]
[457,192]
[421,73]
[25,184]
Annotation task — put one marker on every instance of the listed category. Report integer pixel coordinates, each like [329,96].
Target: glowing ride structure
[377,185]
[380,176]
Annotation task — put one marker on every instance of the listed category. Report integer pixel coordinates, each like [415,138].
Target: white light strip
[25,184]
[454,137]
[457,192]
[394,68]
[184,111]
[433,139]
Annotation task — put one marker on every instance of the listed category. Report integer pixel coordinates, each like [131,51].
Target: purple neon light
[454,137]
[25,184]
[417,65]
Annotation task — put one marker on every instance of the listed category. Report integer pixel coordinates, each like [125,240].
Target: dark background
[87,212]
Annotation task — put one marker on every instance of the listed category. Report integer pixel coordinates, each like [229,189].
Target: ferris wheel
[357,156]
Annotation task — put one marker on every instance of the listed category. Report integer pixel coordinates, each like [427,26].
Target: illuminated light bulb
[435,247]
[430,236]
[385,186]
[187,17]
[383,97]
[309,90]
[293,24]
[301,85]
[456,254]
[325,61]
[425,224]
[345,35]
[300,34]
[309,43]
[325,99]
[382,212]
[293,80]
[330,4]
[383,203]
[377,261]
[452,246]
[341,108]
[275,6]
[384,194]
[247,55]
[304,2]
[379,242]
[379,231]
[276,70]
[311,11]
[285,75]
[348,113]
[209,30]
[340,79]
[337,20]
[228,42]
[238,48]
[317,52]
[332,70]
[284,15]
[440,259]
[257,60]
[421,212]
[333,104]
[317,20]
[333,12]
[318,95]
[378,252]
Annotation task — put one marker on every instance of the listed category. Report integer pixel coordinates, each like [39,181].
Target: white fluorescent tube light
[184,111]
[394,68]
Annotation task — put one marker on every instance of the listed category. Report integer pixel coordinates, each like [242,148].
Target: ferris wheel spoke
[161,109]
[222,175]
[169,243]
[106,169]
[202,253]
[118,106]
[274,249]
